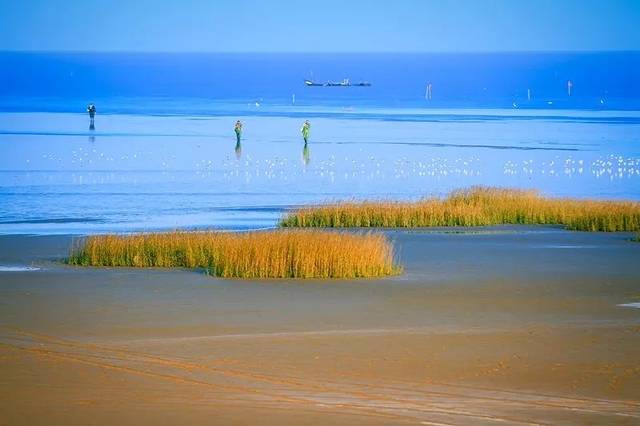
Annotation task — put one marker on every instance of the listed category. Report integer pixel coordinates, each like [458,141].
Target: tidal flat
[504,324]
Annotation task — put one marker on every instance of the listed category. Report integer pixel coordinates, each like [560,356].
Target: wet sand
[515,325]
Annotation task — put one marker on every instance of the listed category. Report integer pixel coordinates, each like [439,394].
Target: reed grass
[271,254]
[476,206]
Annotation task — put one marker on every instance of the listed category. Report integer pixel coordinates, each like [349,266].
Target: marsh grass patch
[476,206]
[264,254]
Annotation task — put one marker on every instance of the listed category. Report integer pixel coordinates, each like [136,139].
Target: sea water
[162,154]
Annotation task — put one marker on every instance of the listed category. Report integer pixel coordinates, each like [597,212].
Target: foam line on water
[569,246]
[17,268]
[630,305]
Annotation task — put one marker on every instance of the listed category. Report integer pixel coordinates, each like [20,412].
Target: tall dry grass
[272,254]
[476,206]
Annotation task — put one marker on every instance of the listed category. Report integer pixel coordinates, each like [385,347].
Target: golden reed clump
[270,254]
[476,206]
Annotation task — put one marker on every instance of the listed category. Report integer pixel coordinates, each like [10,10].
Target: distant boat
[312,83]
[344,83]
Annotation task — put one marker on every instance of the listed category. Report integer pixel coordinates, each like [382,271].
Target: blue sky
[321,26]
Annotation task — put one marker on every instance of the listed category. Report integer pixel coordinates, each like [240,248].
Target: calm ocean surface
[163,155]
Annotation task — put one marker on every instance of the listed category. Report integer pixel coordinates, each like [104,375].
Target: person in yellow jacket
[306,127]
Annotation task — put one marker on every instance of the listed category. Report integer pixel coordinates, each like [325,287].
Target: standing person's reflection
[306,155]
[238,149]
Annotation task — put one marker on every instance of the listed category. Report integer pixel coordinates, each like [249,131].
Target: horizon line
[276,52]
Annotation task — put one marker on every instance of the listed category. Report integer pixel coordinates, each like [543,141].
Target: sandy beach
[515,325]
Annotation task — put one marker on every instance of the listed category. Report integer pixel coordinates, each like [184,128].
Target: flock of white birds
[347,167]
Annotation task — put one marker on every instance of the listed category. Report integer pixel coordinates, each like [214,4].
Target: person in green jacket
[305,131]
[238,130]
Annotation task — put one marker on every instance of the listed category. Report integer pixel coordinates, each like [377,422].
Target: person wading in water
[238,130]
[306,127]
[91,109]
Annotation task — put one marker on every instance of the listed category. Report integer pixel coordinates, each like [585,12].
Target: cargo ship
[344,83]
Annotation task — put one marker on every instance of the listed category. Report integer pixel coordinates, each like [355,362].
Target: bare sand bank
[506,324]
